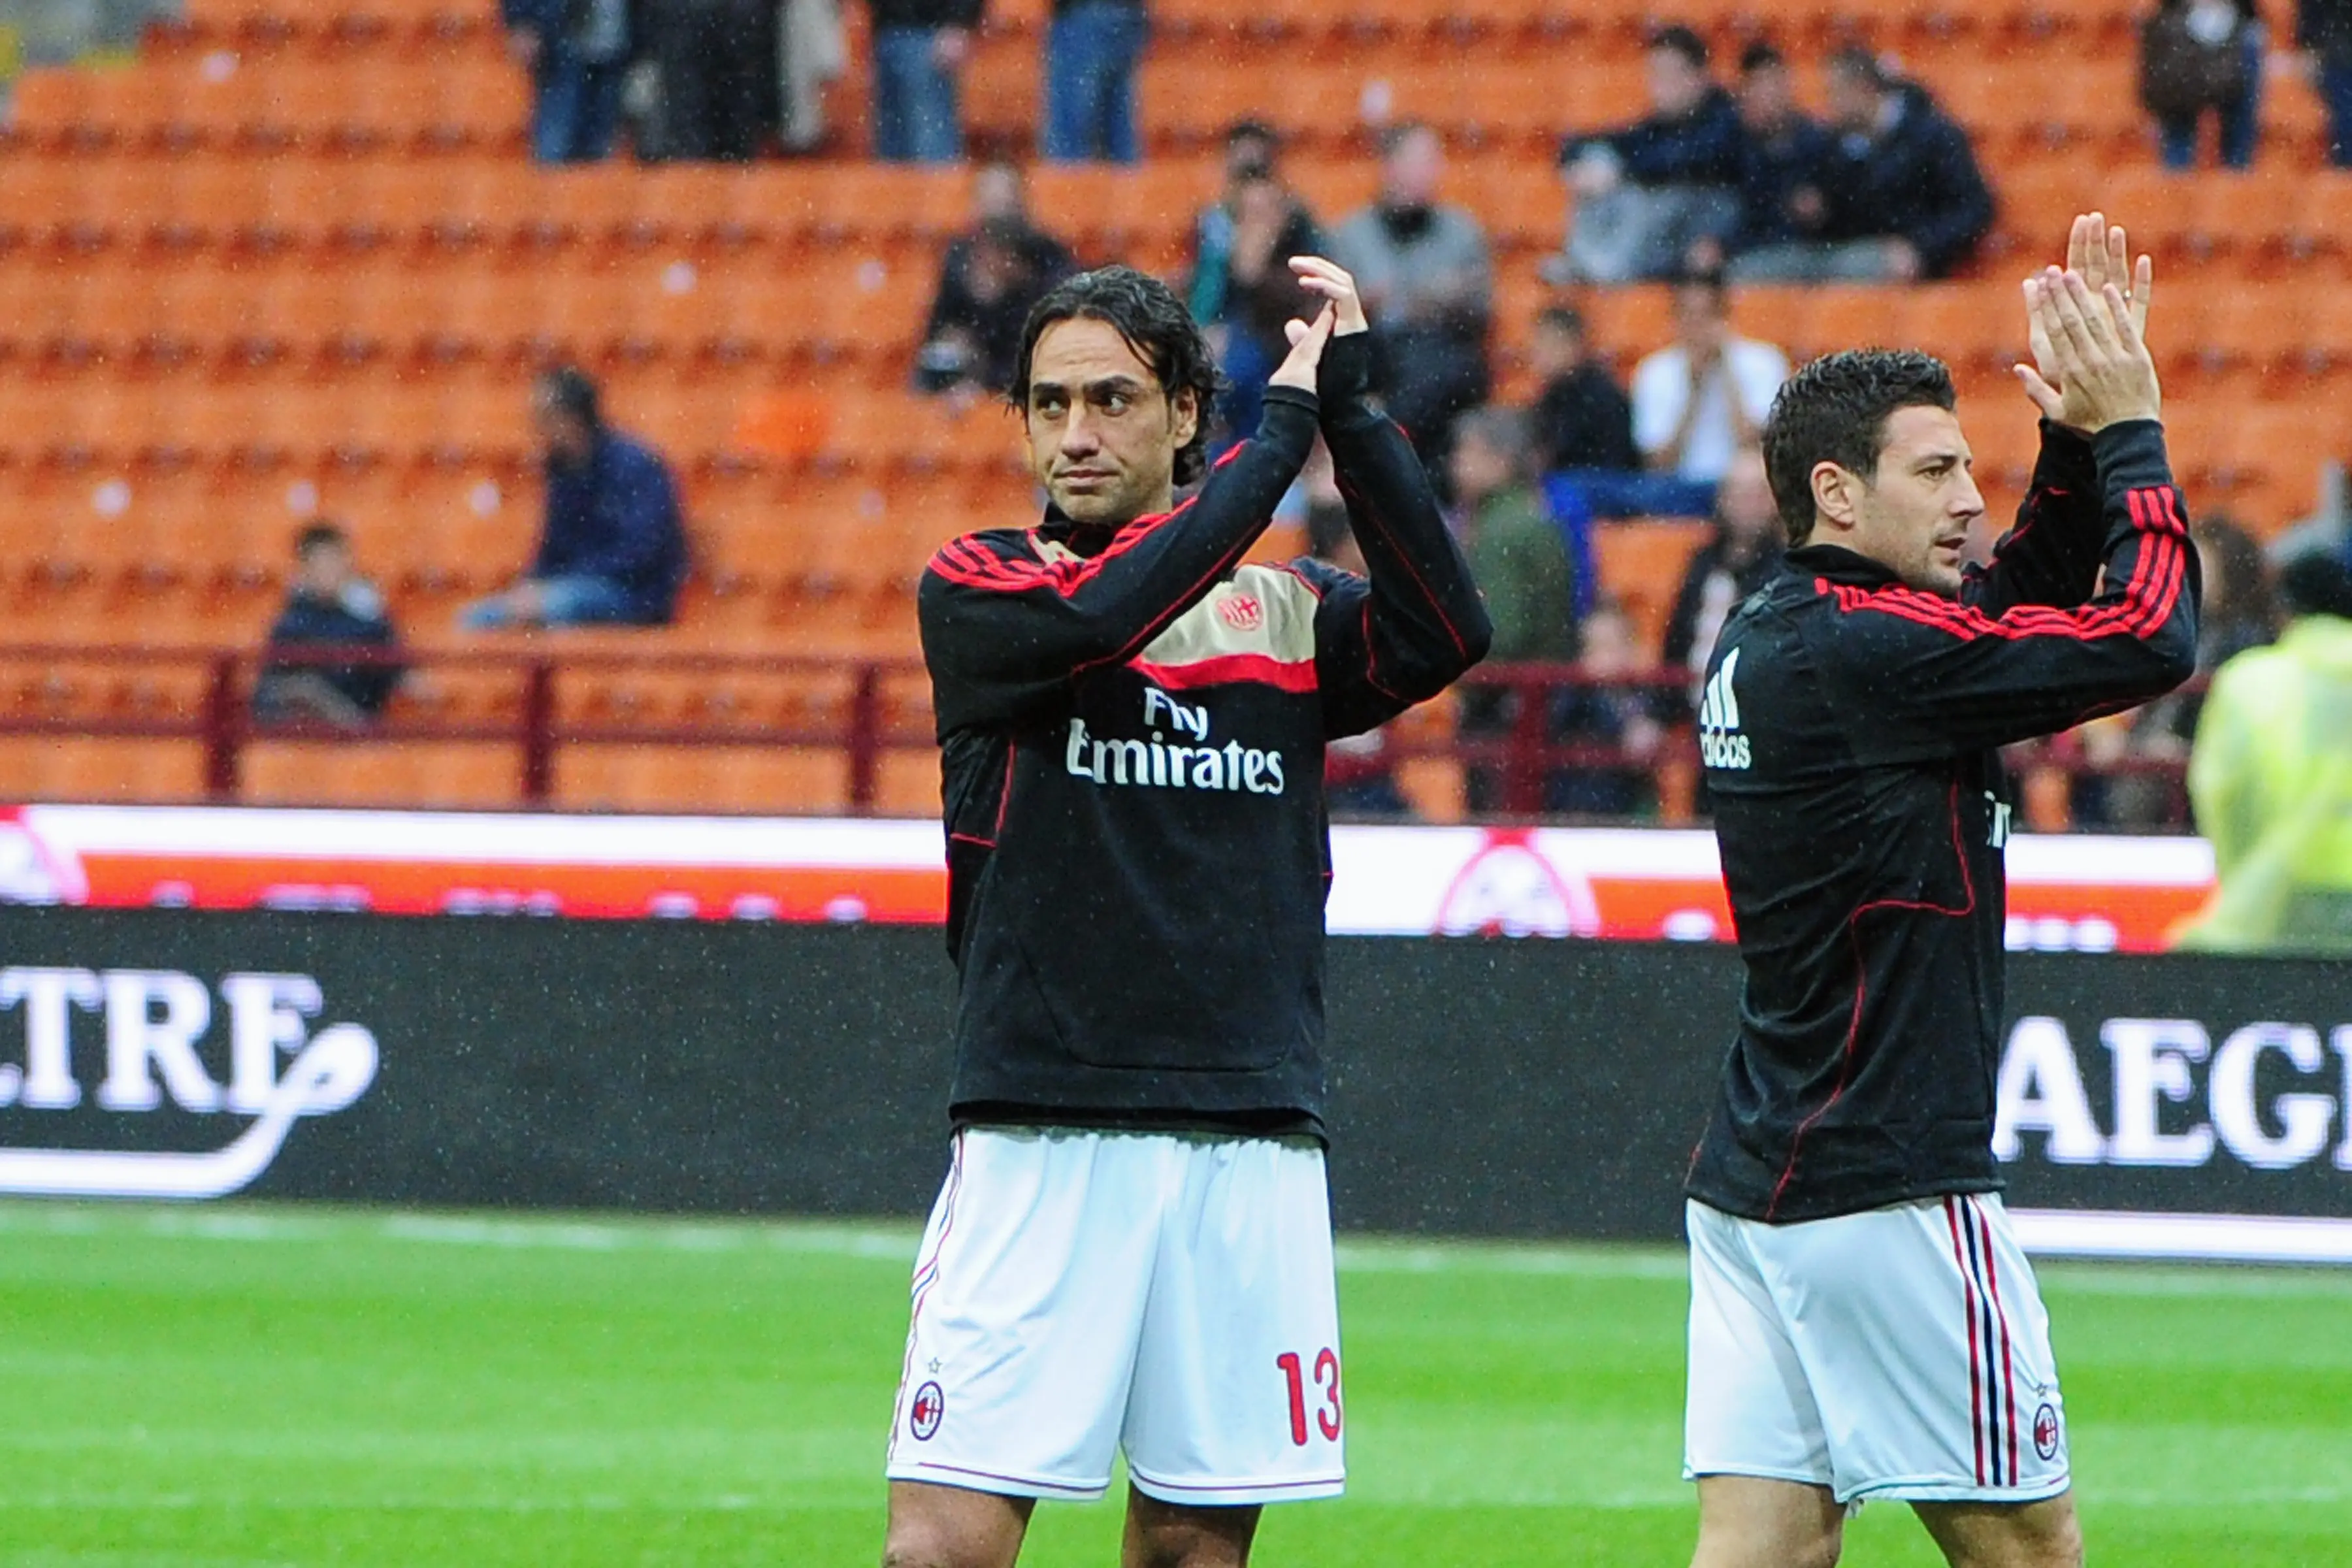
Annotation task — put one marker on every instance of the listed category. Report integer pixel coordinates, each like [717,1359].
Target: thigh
[1924,1339]
[1747,1522]
[951,1528]
[2044,1534]
[1238,1395]
[1160,1533]
[1028,1299]
[1747,1409]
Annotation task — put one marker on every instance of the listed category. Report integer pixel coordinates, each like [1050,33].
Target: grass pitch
[247,1387]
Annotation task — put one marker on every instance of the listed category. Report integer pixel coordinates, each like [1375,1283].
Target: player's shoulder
[981,559]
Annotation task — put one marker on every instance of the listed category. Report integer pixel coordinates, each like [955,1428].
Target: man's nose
[1078,433]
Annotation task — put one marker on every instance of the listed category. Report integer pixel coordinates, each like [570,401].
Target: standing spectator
[1700,400]
[1646,194]
[2202,55]
[1783,159]
[1519,564]
[920,49]
[1741,555]
[1582,417]
[577,52]
[1092,47]
[720,64]
[2323,33]
[2272,778]
[1425,276]
[990,278]
[1608,706]
[611,549]
[1241,291]
[1906,198]
[328,603]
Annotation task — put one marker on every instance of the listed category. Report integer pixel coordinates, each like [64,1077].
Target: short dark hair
[1566,318]
[1253,130]
[2317,582]
[1760,55]
[1856,61]
[319,534]
[1683,40]
[573,390]
[1157,326]
[1835,410]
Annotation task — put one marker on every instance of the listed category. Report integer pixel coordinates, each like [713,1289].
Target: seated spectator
[1359,771]
[1703,398]
[990,278]
[918,51]
[1783,158]
[1242,289]
[1092,49]
[1606,710]
[1740,558]
[1519,561]
[2196,56]
[2272,778]
[577,52]
[611,549]
[328,603]
[1905,199]
[1582,417]
[1648,193]
[1427,284]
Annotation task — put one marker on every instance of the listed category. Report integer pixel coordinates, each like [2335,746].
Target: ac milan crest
[1242,612]
[930,1404]
[2045,1431]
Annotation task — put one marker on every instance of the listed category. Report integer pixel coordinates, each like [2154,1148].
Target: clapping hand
[2095,347]
[2098,253]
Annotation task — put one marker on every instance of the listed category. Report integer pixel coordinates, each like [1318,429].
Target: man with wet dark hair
[1132,1250]
[1862,1323]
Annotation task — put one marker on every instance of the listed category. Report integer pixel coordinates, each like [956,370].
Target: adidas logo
[1720,743]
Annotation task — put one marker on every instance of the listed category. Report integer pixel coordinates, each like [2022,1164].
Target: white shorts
[1080,1293]
[1900,1352]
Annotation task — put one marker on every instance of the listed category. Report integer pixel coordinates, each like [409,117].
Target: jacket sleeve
[1003,634]
[2054,554]
[1404,635]
[1920,676]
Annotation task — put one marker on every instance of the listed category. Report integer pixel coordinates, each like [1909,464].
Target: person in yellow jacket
[2271,777]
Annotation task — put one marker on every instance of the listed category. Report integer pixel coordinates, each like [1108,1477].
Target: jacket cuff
[1344,379]
[2132,455]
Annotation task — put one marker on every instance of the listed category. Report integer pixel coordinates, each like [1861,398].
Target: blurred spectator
[2200,55]
[990,277]
[1906,198]
[2323,33]
[815,55]
[611,549]
[327,603]
[1604,709]
[577,52]
[1582,417]
[1740,558]
[720,65]
[1646,194]
[1427,283]
[1359,771]
[1520,564]
[1242,289]
[1092,47]
[920,49]
[2272,778]
[1783,158]
[1697,401]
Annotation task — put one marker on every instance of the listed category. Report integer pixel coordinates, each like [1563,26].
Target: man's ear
[1184,416]
[1837,495]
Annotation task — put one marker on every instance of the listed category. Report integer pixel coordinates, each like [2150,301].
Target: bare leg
[1747,1522]
[2006,1535]
[948,1527]
[1168,1535]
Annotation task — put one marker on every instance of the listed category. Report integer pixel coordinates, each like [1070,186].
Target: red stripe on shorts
[1969,1302]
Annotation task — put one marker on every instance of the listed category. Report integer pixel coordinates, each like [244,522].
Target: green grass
[247,1387]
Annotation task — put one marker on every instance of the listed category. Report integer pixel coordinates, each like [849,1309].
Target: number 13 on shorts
[1325,1377]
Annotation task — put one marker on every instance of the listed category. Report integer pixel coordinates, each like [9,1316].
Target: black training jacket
[1132,728]
[1848,726]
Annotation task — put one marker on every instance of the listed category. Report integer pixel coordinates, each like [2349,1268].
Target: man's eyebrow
[1113,383]
[1940,455]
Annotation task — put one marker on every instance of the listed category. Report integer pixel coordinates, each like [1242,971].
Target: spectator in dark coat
[1783,158]
[990,278]
[1740,558]
[1648,193]
[919,49]
[1241,290]
[1906,200]
[328,603]
[2322,35]
[1582,417]
[719,65]
[2196,56]
[577,51]
[611,549]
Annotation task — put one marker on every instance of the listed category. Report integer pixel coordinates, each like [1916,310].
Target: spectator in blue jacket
[1647,194]
[611,549]
[1784,157]
[577,51]
[327,604]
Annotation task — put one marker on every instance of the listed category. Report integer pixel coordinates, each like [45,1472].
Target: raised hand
[1306,357]
[1332,282]
[2100,254]
[2096,349]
